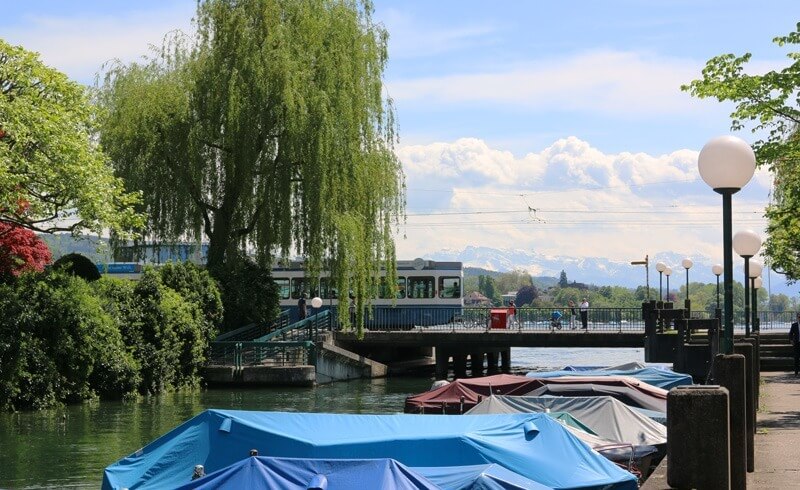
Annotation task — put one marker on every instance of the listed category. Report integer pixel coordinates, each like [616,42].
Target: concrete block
[698,435]
[745,348]
[278,375]
[729,371]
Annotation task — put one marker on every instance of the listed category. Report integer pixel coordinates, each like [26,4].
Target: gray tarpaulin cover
[607,417]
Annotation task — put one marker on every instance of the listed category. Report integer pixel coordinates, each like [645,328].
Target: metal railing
[249,353]
[381,318]
[253,331]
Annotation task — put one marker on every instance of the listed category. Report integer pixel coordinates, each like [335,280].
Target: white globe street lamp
[755,275]
[727,164]
[660,268]
[746,243]
[717,270]
[687,264]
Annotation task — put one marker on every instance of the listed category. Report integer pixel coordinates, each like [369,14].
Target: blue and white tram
[428,293]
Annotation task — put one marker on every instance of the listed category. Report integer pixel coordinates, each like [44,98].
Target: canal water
[69,447]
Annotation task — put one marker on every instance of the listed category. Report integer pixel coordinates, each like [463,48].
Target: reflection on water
[68,448]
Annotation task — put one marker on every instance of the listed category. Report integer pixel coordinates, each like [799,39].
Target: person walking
[585,314]
[572,314]
[794,336]
[512,314]
[302,312]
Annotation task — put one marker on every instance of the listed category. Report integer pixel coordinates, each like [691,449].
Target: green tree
[770,104]
[53,176]
[267,132]
[562,280]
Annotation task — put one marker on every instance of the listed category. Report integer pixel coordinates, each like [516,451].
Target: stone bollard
[746,347]
[729,372]
[698,435]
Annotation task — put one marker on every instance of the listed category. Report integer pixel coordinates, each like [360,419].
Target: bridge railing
[450,318]
[250,353]
[306,329]
[253,331]
[776,321]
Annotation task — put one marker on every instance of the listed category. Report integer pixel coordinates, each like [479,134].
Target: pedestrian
[572,314]
[352,310]
[302,311]
[512,314]
[794,336]
[585,314]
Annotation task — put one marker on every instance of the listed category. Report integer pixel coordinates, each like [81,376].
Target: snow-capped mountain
[597,270]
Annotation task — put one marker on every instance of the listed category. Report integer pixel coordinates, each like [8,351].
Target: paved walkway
[777,440]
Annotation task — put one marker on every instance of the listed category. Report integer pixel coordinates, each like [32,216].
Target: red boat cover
[462,394]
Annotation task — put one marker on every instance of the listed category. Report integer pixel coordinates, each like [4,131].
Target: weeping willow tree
[265,133]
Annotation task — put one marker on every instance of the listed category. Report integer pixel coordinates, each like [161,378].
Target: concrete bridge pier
[505,361]
[492,366]
[459,365]
[476,364]
[442,363]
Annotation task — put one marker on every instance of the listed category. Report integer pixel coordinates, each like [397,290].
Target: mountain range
[598,270]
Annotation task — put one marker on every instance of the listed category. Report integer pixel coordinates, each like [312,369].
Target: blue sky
[571,108]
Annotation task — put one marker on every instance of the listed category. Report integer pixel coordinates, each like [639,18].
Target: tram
[427,293]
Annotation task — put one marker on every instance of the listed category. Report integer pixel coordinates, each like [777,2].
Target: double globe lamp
[727,164]
[747,243]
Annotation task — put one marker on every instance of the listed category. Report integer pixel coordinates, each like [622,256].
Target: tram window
[384,293]
[299,286]
[327,289]
[449,287]
[421,287]
[283,287]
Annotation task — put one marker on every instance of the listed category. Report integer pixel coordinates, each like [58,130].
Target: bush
[57,344]
[196,285]
[78,265]
[167,332]
[248,293]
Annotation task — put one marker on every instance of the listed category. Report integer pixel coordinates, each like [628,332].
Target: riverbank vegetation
[64,339]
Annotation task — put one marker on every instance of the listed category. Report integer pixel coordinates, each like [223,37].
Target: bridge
[462,337]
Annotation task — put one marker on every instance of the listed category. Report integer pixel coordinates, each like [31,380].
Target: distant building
[477,299]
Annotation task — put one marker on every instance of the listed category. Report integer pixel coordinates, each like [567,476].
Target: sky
[554,127]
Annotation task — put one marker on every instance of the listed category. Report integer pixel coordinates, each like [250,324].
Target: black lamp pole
[727,265]
[753,299]
[746,295]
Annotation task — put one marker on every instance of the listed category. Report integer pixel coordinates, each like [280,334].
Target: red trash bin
[499,318]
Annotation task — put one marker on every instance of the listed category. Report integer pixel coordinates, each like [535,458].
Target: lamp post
[687,264]
[646,264]
[668,272]
[757,283]
[727,164]
[754,273]
[717,270]
[746,243]
[660,268]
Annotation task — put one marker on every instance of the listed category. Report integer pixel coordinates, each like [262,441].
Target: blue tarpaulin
[531,445]
[478,477]
[662,378]
[262,473]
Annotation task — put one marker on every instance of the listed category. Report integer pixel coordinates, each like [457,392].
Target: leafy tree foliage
[243,287]
[52,175]
[771,105]
[268,130]
[562,280]
[526,295]
[196,285]
[78,265]
[58,345]
[21,250]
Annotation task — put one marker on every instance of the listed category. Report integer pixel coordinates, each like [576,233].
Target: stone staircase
[776,352]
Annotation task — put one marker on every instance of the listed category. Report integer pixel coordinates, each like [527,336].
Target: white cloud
[79,45]
[607,82]
[567,199]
